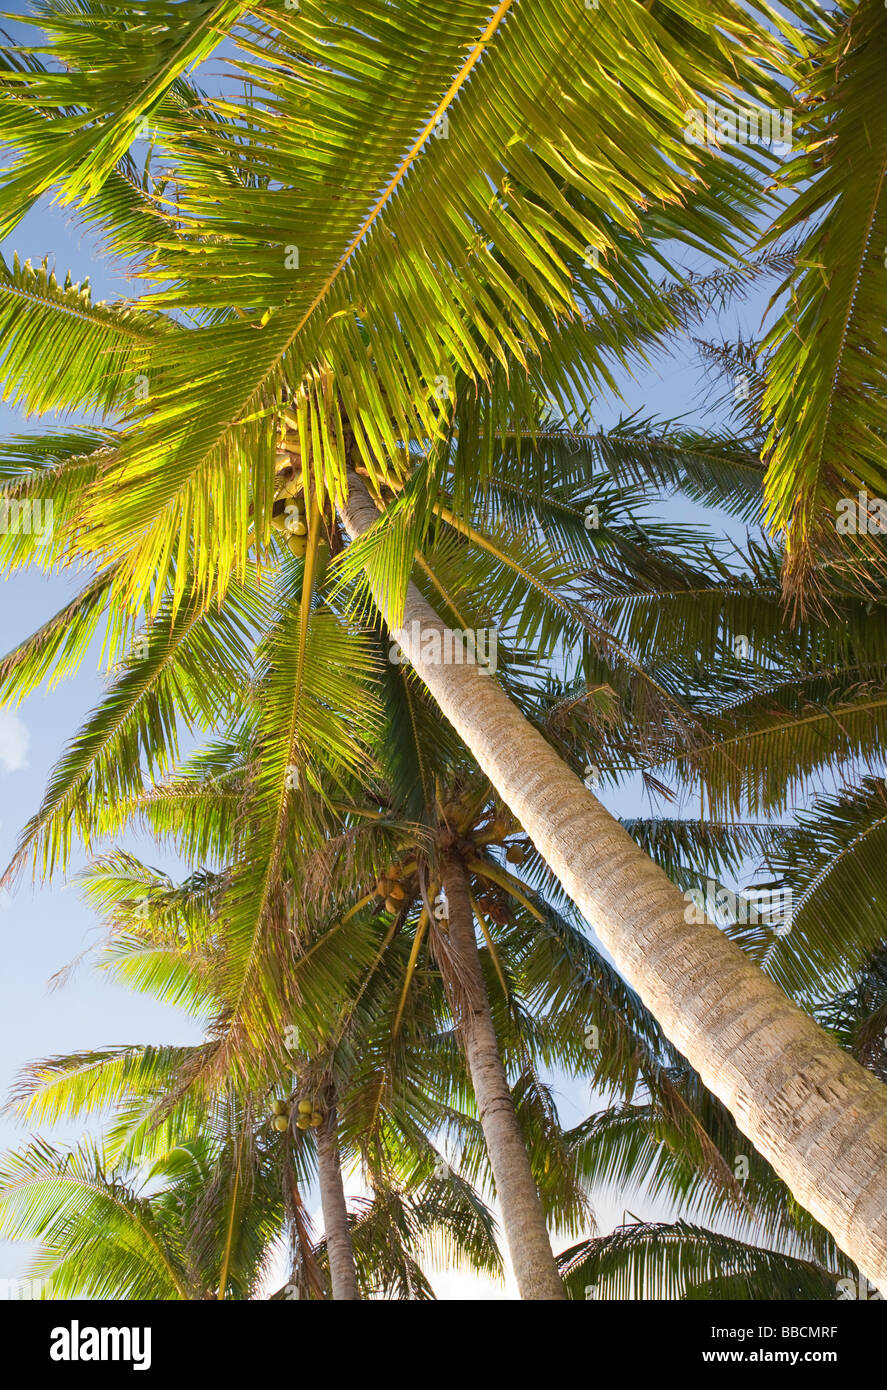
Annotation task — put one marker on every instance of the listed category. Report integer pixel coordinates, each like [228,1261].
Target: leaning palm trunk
[807,1106]
[335,1213]
[522,1215]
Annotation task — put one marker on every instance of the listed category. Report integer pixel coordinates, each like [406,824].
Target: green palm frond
[57,649]
[43,481]
[60,351]
[60,1088]
[99,1237]
[182,669]
[824,402]
[833,860]
[679,1260]
[117,64]
[495,274]
[858,1017]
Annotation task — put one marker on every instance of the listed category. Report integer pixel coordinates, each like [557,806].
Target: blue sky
[44,929]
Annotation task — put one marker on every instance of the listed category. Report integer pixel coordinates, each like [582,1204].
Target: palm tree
[768,1049]
[358,380]
[157,1094]
[335,1211]
[455,950]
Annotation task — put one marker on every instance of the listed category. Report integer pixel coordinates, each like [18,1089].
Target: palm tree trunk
[522,1215]
[808,1107]
[335,1212]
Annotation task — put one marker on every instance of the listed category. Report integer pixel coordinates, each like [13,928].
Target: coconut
[281,1123]
[288,479]
[279,1107]
[392,906]
[515,854]
[305,1107]
[316,1119]
[396,892]
[303,1122]
[297,545]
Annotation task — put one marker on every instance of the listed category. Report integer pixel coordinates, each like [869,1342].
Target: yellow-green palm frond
[116,63]
[99,1237]
[183,670]
[825,397]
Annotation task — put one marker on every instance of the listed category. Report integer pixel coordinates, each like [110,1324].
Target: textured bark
[522,1215]
[815,1113]
[335,1212]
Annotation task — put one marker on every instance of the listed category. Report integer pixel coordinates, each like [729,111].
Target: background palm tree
[154,1095]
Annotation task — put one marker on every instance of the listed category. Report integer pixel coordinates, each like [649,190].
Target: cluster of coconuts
[307,1115]
[460,821]
[288,515]
[389,887]
[494,906]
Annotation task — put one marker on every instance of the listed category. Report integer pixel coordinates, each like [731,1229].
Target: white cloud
[14,742]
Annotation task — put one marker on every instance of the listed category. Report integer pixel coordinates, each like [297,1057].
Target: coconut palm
[406,891]
[723,591]
[162,1229]
[364,353]
[156,1094]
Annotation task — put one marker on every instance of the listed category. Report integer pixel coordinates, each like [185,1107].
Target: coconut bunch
[494,905]
[308,1115]
[463,830]
[391,887]
[289,518]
